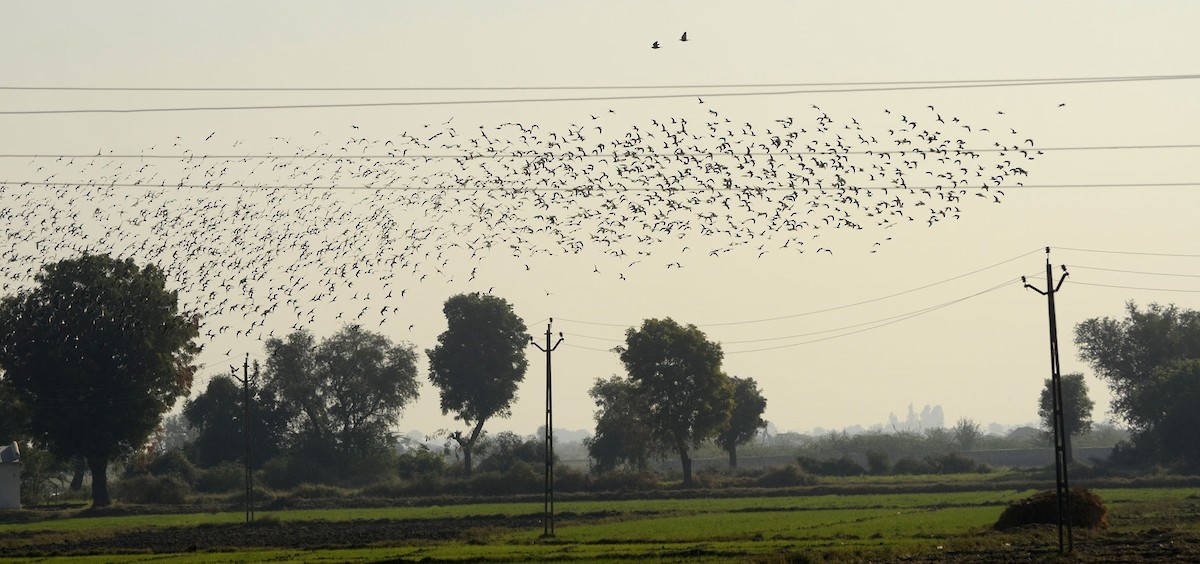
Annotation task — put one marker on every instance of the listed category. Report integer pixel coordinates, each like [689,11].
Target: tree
[477,364]
[1077,408]
[98,350]
[745,419]
[1125,353]
[1168,434]
[678,371]
[967,432]
[344,394]
[217,420]
[622,436]
[14,414]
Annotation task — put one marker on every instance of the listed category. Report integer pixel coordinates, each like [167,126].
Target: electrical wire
[426,103]
[1111,252]
[519,88]
[1074,266]
[917,313]
[876,324]
[834,308]
[1135,287]
[542,155]
[590,189]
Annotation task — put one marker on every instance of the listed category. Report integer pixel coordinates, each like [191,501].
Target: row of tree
[328,408]
[98,350]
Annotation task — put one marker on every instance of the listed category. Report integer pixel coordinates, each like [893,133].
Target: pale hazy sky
[984,358]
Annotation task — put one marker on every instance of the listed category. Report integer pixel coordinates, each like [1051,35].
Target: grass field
[1151,523]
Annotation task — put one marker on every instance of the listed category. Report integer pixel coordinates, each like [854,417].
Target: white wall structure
[10,477]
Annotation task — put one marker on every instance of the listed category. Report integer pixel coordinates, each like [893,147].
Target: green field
[755,529]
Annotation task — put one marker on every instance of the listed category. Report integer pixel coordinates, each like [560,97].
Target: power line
[904,318]
[424,103]
[549,87]
[1137,287]
[629,154]
[1106,251]
[820,332]
[1137,271]
[835,308]
[590,189]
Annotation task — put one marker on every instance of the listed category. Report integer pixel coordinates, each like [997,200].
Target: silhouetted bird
[654,45]
[683,37]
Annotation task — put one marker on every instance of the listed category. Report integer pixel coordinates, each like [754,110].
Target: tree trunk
[733,456]
[686,462]
[80,470]
[99,467]
[468,443]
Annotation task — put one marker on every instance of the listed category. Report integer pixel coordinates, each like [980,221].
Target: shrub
[1087,510]
[427,485]
[878,462]
[488,483]
[224,477]
[289,470]
[844,466]
[316,491]
[519,478]
[501,451]
[788,476]
[390,488]
[569,479]
[910,465]
[709,478]
[420,461]
[173,463]
[165,490]
[618,481]
[262,496]
[953,463]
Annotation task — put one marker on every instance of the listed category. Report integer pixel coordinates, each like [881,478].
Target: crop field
[1151,524]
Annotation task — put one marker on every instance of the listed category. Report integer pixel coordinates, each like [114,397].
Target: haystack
[1087,511]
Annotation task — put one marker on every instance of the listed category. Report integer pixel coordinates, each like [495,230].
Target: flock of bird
[318,220]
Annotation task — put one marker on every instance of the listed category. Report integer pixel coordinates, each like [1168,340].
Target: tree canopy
[1077,407]
[218,417]
[98,350]
[347,391]
[1168,433]
[745,419]
[478,363]
[622,437]
[678,371]
[1126,352]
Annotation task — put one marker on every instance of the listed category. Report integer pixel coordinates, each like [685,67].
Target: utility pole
[245,380]
[1062,487]
[548,504]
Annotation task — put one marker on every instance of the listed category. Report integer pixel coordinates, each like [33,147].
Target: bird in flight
[683,37]
[654,45]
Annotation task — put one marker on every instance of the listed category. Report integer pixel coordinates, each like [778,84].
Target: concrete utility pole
[548,504]
[1062,486]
